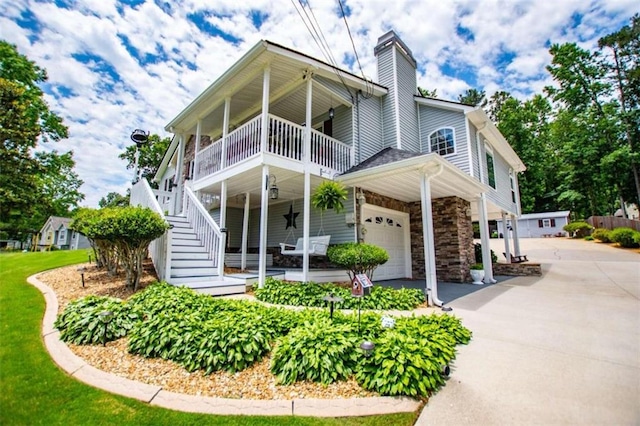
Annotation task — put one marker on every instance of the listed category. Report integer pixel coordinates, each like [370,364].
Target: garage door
[389,229]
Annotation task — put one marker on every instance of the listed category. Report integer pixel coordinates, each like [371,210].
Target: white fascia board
[442,104]
[248,57]
[485,126]
[166,158]
[326,70]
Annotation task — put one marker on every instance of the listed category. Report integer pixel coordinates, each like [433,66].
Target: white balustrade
[209,160]
[204,226]
[329,152]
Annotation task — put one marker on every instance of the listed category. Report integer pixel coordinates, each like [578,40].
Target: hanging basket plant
[329,195]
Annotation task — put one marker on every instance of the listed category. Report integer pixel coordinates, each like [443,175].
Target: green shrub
[589,238]
[311,294]
[602,234]
[625,237]
[578,229]
[357,258]
[321,352]
[403,364]
[477,248]
[636,238]
[80,322]
[449,323]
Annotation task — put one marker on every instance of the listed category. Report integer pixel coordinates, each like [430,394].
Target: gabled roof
[386,156]
[55,222]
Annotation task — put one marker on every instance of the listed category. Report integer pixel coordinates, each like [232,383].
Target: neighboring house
[56,232]
[258,141]
[536,225]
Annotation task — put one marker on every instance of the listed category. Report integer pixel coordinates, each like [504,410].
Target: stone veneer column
[453,239]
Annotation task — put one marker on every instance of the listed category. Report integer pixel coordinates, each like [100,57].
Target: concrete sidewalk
[563,348]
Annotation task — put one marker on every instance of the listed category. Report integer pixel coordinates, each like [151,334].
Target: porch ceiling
[401,179]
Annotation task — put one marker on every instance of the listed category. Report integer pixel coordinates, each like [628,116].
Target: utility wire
[355,51]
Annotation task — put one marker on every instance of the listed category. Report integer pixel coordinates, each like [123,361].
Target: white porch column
[516,237]
[178,194]
[265,109]
[306,227]
[484,239]
[427,236]
[245,230]
[197,149]
[264,215]
[223,226]
[505,232]
[225,131]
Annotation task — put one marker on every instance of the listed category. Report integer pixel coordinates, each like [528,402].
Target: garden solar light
[445,370]
[82,270]
[105,317]
[367,346]
[332,300]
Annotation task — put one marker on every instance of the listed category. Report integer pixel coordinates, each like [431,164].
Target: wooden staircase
[191,265]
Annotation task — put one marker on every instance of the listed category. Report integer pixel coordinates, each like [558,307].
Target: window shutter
[553,223]
[540,223]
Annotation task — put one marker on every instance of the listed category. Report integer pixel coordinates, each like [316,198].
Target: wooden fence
[612,222]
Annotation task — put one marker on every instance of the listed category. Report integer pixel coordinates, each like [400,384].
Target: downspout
[427,232]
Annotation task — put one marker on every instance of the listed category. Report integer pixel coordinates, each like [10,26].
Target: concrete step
[191,263]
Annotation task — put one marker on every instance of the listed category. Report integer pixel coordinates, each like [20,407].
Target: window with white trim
[491,168]
[546,223]
[443,141]
[512,182]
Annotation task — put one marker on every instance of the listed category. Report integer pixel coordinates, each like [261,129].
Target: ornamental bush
[80,323]
[602,234]
[357,258]
[625,237]
[477,249]
[578,229]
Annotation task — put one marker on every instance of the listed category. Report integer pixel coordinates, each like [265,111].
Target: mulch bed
[256,382]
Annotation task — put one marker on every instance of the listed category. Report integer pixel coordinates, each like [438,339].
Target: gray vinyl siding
[233,225]
[407,88]
[335,86]
[343,125]
[333,224]
[370,128]
[386,78]
[501,195]
[473,147]
[432,119]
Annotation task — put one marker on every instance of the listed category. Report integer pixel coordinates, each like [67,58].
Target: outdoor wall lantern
[105,318]
[273,188]
[361,198]
[140,138]
[368,347]
[332,113]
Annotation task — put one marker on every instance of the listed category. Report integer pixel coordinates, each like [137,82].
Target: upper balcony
[285,140]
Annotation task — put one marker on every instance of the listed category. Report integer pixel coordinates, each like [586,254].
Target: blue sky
[119,65]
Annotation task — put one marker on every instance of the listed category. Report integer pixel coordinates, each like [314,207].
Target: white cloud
[148,95]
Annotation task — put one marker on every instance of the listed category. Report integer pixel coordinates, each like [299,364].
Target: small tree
[88,222]
[357,258]
[131,230]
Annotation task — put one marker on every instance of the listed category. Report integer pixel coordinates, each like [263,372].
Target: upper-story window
[442,141]
[491,169]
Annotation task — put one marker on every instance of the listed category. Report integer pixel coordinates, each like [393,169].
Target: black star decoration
[291,218]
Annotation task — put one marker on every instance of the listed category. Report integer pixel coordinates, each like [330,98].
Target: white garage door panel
[388,229]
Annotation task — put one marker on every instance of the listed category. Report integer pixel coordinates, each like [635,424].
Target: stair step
[176,242]
[216,287]
[186,255]
[187,249]
[177,219]
[191,263]
[206,271]
[184,235]
[188,280]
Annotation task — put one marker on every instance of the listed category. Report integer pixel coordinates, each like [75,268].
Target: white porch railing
[284,138]
[205,227]
[165,200]
[159,249]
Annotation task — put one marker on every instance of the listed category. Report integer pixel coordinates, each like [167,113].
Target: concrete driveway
[563,348]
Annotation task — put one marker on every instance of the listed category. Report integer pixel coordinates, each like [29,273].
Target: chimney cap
[389,38]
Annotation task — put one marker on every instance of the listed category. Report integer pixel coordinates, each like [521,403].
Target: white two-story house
[250,150]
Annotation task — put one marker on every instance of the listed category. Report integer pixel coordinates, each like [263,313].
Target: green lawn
[33,390]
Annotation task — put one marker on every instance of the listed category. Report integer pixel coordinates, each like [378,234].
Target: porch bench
[516,259]
[317,246]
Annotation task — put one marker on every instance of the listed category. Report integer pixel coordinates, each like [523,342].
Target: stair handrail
[204,226]
[159,249]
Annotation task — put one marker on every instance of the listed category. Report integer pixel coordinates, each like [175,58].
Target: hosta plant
[81,322]
[320,352]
